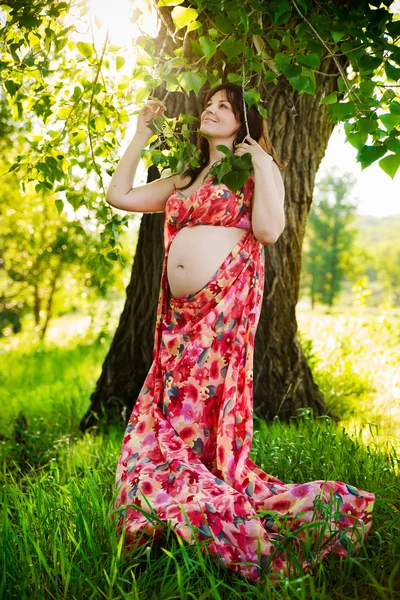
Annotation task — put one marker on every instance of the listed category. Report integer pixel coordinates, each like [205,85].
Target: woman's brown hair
[257,127]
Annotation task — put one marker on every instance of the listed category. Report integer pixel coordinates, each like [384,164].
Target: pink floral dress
[185,453]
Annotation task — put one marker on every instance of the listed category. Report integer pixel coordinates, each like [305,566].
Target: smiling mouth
[208,119]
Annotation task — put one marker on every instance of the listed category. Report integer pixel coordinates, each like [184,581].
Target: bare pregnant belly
[195,255]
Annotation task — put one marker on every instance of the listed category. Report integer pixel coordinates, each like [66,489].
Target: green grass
[57,485]
[355,359]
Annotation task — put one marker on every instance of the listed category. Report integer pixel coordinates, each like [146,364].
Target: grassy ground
[355,358]
[57,484]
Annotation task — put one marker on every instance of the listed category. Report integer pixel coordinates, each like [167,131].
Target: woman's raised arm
[150,197]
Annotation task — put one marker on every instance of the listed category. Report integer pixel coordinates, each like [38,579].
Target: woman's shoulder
[177,179]
[181,180]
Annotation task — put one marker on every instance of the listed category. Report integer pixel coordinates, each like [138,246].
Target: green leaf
[75,199]
[120,61]
[348,127]
[301,29]
[64,112]
[234,78]
[269,76]
[76,137]
[141,94]
[143,59]
[77,93]
[224,149]
[291,70]
[273,43]
[394,107]
[284,7]
[304,83]
[308,60]
[169,2]
[244,19]
[232,48]
[342,110]
[387,97]
[390,120]
[242,163]
[366,125]
[357,139]
[286,39]
[208,46]
[263,111]
[100,123]
[369,154]
[367,87]
[235,180]
[368,63]
[196,48]
[390,164]
[337,36]
[85,49]
[330,99]
[156,125]
[191,81]
[224,24]
[224,169]
[281,58]
[251,97]
[59,206]
[256,65]
[182,16]
[196,25]
[393,145]
[392,73]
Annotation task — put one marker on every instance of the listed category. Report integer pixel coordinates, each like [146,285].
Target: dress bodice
[210,204]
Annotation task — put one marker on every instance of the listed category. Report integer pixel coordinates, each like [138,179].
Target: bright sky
[377,193]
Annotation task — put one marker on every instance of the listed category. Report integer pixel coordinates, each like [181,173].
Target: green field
[57,483]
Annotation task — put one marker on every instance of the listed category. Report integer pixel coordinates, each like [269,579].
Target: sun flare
[124,20]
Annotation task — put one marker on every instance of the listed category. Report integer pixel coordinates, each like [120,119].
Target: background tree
[328,258]
[42,253]
[308,65]
[387,264]
[377,239]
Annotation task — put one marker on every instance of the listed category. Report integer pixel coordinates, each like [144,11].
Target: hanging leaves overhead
[84,94]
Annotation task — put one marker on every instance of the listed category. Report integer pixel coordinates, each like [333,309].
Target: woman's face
[218,118]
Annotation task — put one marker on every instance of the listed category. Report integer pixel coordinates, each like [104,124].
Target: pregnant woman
[185,457]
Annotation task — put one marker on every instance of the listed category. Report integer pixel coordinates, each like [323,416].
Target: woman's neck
[216,155]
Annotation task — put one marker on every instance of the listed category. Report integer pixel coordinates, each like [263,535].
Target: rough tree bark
[283,383]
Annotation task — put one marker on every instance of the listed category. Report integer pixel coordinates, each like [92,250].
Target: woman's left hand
[258,154]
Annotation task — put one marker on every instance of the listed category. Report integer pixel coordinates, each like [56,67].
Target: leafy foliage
[76,93]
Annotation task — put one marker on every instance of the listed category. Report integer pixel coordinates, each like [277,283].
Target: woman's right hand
[150,111]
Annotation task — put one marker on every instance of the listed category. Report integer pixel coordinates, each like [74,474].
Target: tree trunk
[283,383]
[49,307]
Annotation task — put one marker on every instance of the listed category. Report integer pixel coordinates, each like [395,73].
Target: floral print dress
[185,453]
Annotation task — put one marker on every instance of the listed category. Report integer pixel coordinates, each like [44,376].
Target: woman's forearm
[268,216]
[122,180]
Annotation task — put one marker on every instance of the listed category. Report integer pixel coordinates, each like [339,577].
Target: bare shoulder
[180,181]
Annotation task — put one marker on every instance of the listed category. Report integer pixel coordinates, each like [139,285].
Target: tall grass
[355,359]
[57,487]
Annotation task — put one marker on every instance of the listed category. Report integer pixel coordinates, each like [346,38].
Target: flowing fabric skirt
[185,453]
